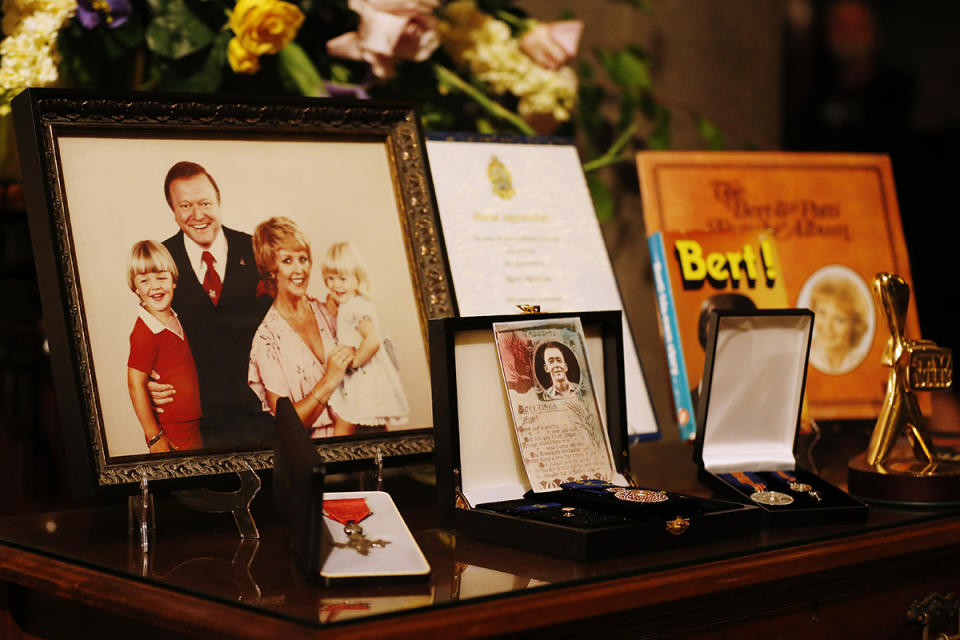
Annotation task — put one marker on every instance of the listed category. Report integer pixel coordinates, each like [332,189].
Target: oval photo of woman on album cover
[844,320]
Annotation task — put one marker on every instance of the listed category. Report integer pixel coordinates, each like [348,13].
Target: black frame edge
[81,467]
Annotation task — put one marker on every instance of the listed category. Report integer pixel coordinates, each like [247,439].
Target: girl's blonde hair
[343,259]
[149,256]
[271,236]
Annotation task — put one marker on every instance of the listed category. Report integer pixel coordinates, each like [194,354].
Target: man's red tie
[211,281]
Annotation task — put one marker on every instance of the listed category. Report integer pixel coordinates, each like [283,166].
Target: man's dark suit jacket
[220,338]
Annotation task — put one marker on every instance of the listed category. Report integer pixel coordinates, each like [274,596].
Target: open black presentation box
[748,417]
[480,474]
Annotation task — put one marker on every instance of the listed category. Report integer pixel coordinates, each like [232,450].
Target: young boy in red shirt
[158,344]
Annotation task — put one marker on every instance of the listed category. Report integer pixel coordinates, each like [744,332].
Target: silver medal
[771,498]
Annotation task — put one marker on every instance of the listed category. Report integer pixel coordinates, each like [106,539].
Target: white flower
[486,46]
[28,53]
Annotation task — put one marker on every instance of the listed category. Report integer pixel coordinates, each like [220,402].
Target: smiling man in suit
[217,303]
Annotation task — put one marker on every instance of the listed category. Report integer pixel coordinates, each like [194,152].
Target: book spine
[682,400]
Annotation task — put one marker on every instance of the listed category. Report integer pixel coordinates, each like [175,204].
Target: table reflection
[234,575]
[202,554]
[361,605]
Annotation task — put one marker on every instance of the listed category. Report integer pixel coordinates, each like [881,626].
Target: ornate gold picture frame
[101,176]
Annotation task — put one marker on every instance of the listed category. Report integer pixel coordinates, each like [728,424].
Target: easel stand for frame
[142,513]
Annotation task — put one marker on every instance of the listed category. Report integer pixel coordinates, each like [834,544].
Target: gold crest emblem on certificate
[500,179]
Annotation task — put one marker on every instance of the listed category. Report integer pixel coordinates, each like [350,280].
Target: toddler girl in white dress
[371,392]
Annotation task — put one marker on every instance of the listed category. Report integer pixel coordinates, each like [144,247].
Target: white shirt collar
[156,326]
[195,254]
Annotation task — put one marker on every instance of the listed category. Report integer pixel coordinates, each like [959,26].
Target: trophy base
[905,481]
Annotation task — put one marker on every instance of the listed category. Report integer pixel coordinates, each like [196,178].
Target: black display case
[481,477]
[749,416]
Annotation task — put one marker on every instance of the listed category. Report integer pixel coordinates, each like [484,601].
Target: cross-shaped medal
[359,542]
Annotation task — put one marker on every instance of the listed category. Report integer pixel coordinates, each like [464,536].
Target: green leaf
[447,79]
[649,106]
[118,43]
[153,79]
[590,101]
[493,6]
[633,70]
[604,58]
[111,48]
[218,52]
[585,71]
[298,73]
[339,73]
[159,7]
[208,75]
[485,126]
[637,51]
[178,32]
[628,68]
[627,104]
[659,138]
[435,120]
[70,46]
[710,134]
[602,198]
[130,34]
[101,57]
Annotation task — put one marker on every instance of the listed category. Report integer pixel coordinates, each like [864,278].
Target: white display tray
[401,557]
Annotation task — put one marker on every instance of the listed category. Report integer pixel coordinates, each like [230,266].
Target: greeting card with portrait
[560,430]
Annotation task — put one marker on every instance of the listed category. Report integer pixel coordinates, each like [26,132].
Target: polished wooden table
[79,573]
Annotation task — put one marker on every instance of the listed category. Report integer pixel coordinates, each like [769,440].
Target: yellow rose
[265,26]
[241,60]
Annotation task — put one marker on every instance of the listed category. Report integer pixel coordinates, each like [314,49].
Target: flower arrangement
[470,65]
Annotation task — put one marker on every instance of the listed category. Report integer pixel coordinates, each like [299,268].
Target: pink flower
[389,30]
[554,44]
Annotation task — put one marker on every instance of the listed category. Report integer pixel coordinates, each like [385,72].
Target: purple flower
[337,89]
[113,12]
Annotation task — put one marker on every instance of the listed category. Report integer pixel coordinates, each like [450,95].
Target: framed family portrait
[200,259]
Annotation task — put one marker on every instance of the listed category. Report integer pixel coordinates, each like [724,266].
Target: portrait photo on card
[236,255]
[557,370]
[556,414]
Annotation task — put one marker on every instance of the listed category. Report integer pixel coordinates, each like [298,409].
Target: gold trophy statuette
[915,365]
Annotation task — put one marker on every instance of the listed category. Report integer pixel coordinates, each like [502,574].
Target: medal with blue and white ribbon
[760,493]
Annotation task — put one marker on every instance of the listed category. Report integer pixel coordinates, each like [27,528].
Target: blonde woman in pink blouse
[294,352]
